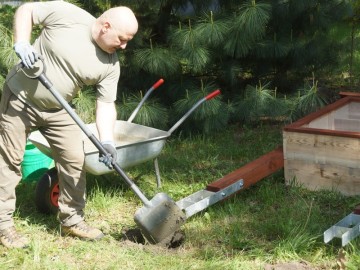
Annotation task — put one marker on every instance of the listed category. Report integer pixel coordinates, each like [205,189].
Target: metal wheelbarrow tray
[135,144]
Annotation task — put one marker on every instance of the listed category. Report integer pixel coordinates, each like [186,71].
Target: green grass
[269,223]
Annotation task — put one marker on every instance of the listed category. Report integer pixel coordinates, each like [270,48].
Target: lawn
[267,226]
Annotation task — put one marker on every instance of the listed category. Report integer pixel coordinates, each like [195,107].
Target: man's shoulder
[58,11]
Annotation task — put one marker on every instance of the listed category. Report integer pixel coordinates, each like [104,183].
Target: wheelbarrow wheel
[47,192]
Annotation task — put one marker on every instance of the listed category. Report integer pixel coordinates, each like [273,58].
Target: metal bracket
[347,229]
[202,199]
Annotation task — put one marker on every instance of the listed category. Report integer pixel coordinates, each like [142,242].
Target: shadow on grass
[26,195]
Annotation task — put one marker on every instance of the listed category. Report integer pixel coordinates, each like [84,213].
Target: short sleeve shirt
[72,58]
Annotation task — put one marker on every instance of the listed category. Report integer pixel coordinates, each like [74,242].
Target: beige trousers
[17,120]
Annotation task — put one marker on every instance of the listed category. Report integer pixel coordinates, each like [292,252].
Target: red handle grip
[158,83]
[213,94]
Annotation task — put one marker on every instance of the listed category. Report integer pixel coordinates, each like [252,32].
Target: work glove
[26,53]
[111,156]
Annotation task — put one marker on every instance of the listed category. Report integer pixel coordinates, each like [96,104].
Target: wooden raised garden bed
[322,150]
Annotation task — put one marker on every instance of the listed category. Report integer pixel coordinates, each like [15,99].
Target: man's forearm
[105,120]
[23,22]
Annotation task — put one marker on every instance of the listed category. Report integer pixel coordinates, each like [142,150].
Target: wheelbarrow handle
[147,94]
[213,94]
[193,108]
[157,84]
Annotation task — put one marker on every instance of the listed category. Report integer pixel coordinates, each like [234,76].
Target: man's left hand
[26,53]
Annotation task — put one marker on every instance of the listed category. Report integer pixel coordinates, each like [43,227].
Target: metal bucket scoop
[161,219]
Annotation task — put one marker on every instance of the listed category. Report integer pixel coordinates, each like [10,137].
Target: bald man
[78,50]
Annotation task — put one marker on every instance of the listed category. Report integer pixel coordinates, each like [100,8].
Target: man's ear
[106,26]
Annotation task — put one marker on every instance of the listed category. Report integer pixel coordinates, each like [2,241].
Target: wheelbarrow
[135,144]
[160,217]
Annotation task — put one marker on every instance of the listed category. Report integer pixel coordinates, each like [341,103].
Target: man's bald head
[122,18]
[114,28]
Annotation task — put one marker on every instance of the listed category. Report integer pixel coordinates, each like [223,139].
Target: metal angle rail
[202,199]
[347,229]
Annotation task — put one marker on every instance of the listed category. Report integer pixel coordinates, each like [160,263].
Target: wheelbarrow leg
[157,172]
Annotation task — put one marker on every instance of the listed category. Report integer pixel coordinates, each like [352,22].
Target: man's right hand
[26,53]
[111,156]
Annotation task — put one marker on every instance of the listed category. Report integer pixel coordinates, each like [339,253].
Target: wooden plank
[324,122]
[252,172]
[354,115]
[349,94]
[315,176]
[347,124]
[346,148]
[354,107]
[328,132]
[316,147]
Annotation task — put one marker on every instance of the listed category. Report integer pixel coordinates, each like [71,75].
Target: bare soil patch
[134,235]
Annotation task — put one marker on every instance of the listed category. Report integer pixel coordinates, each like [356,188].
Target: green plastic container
[35,163]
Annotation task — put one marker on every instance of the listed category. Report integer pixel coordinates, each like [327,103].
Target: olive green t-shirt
[71,56]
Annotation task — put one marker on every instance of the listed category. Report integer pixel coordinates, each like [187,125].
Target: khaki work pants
[17,120]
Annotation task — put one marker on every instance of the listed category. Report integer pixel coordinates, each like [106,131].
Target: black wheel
[47,192]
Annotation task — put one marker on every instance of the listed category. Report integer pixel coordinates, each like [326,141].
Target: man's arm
[105,123]
[23,22]
[105,120]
